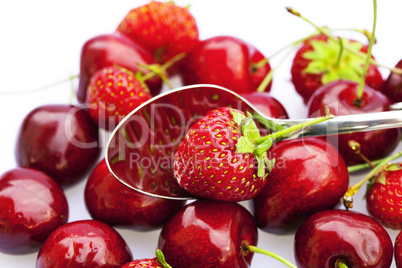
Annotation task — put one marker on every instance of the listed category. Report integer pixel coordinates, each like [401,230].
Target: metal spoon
[140,152]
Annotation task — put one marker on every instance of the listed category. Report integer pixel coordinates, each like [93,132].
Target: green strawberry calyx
[161,258]
[247,143]
[251,141]
[335,60]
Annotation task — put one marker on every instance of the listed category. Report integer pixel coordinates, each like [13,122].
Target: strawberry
[212,161]
[317,62]
[164,28]
[384,197]
[112,94]
[143,263]
[157,262]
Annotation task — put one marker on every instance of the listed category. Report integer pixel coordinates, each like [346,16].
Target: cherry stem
[258,65]
[160,70]
[71,78]
[355,146]
[268,253]
[359,167]
[368,57]
[340,264]
[285,132]
[261,63]
[72,93]
[291,45]
[353,189]
[325,32]
[268,77]
[366,33]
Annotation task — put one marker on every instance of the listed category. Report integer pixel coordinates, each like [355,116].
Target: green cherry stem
[366,33]
[268,78]
[71,78]
[353,189]
[340,264]
[290,47]
[368,57]
[268,253]
[160,70]
[72,93]
[359,167]
[287,131]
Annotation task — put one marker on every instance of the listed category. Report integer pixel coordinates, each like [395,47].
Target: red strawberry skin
[164,28]
[112,94]
[307,83]
[143,263]
[384,201]
[207,164]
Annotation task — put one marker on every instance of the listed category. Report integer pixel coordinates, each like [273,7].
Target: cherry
[32,205]
[60,140]
[398,250]
[393,85]
[226,61]
[84,243]
[266,104]
[110,201]
[332,237]
[114,49]
[208,233]
[340,97]
[309,176]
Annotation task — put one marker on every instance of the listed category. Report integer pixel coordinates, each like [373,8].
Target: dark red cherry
[340,98]
[110,201]
[32,205]
[266,104]
[329,237]
[208,233]
[60,140]
[393,85]
[84,243]
[226,61]
[309,176]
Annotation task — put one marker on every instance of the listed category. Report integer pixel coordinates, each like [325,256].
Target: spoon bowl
[140,152]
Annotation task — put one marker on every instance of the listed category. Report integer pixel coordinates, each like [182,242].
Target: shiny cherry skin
[398,250]
[340,96]
[114,49]
[266,104]
[84,243]
[32,205]
[110,201]
[339,235]
[60,140]
[393,85]
[309,176]
[207,233]
[225,61]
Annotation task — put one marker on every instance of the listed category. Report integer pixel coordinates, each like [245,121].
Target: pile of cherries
[58,146]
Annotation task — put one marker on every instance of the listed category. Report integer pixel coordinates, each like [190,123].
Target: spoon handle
[347,124]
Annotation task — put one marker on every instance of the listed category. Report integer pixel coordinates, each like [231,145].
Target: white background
[40,43]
